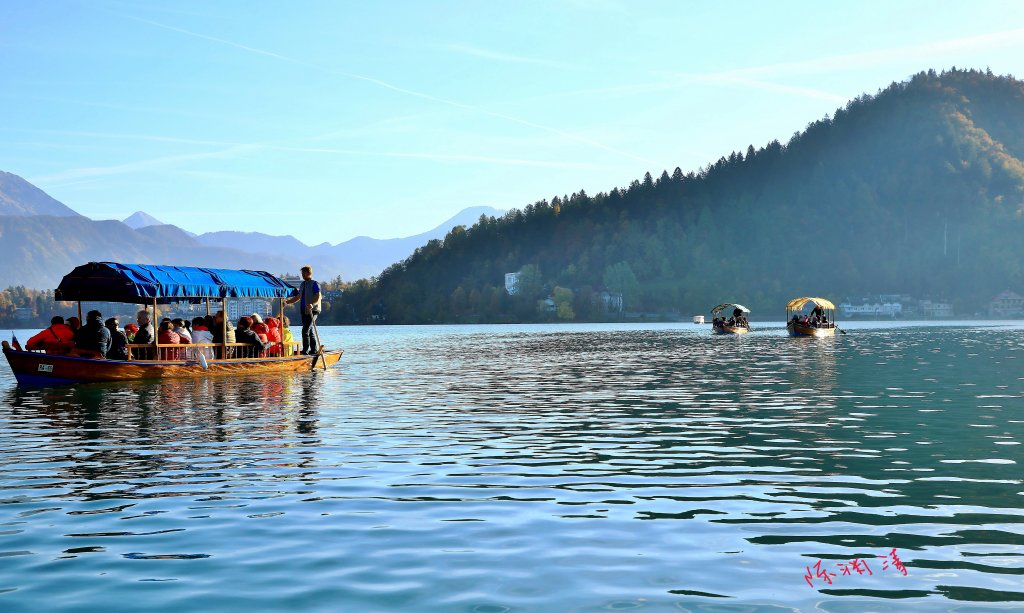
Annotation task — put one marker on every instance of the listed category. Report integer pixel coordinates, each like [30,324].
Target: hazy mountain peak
[19,198]
[141,219]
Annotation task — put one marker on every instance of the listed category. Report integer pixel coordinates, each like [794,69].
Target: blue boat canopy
[142,283]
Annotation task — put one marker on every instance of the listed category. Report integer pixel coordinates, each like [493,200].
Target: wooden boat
[721,325]
[821,322]
[153,285]
[33,368]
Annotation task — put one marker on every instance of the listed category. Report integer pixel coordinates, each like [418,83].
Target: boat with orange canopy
[151,285]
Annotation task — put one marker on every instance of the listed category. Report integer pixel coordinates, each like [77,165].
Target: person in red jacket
[58,338]
[262,330]
[167,336]
[274,336]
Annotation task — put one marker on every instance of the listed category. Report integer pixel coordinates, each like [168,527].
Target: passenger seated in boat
[118,341]
[219,336]
[274,336]
[255,348]
[144,335]
[129,331]
[182,331]
[58,338]
[261,329]
[167,336]
[201,336]
[92,340]
[75,324]
[286,336]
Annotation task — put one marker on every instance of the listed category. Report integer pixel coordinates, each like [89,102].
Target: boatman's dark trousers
[308,337]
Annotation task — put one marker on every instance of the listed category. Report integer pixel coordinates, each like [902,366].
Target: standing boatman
[309,305]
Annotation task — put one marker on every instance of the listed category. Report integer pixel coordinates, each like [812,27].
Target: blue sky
[328,120]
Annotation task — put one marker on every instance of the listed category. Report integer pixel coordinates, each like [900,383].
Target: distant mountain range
[43,239]
[357,258]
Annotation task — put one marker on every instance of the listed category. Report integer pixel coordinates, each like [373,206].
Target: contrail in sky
[394,88]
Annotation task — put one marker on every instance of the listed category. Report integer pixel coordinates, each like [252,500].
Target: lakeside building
[937,309]
[884,306]
[895,305]
[511,283]
[611,302]
[1006,305]
[237,307]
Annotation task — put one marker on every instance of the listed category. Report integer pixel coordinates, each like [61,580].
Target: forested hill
[918,189]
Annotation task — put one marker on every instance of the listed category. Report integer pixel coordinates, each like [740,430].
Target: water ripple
[496,468]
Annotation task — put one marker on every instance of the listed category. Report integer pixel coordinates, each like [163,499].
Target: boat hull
[802,330]
[41,369]
[730,330]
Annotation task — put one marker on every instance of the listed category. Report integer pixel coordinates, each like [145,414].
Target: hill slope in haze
[38,251]
[918,190]
[19,198]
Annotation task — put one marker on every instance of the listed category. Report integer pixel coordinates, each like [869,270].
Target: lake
[534,468]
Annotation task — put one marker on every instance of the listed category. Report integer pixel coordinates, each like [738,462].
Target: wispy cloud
[162,110]
[765,78]
[769,86]
[158,163]
[390,125]
[499,56]
[130,136]
[441,157]
[401,90]
[81,176]
[851,61]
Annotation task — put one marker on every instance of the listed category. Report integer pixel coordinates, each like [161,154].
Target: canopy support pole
[224,327]
[207,306]
[156,330]
[80,312]
[280,327]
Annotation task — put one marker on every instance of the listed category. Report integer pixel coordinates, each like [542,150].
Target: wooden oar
[319,347]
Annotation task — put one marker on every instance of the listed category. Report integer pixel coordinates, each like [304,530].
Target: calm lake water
[534,468]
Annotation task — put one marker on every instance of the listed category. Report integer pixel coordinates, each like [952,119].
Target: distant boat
[737,324]
[152,285]
[820,322]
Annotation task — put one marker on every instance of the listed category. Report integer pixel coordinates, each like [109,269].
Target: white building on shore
[871,308]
